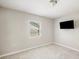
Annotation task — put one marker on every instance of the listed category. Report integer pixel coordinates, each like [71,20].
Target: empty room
[39,29]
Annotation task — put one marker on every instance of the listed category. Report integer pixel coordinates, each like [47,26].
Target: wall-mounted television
[67,24]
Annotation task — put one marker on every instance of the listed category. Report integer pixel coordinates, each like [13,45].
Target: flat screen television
[67,24]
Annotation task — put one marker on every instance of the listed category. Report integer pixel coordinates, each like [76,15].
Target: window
[34,29]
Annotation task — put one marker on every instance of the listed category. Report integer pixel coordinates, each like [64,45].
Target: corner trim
[27,49]
[60,44]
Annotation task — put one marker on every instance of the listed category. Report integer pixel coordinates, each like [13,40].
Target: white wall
[14,34]
[68,37]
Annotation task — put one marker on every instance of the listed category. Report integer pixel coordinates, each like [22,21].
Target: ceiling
[43,7]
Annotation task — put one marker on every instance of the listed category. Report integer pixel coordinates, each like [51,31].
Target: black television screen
[67,24]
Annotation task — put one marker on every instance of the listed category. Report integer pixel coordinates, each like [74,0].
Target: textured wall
[14,30]
[69,37]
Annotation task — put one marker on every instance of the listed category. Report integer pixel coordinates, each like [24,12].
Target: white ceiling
[43,7]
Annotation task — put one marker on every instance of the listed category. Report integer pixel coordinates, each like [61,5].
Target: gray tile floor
[47,52]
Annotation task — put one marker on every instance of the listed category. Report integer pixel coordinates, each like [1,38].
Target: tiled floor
[47,52]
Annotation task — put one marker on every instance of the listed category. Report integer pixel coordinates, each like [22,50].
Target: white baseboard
[40,45]
[74,49]
[27,49]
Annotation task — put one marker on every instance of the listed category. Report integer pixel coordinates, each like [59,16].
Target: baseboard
[40,45]
[27,49]
[74,49]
